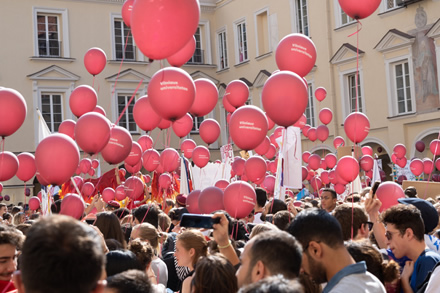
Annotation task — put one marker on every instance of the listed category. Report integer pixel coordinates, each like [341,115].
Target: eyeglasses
[370,225]
[389,235]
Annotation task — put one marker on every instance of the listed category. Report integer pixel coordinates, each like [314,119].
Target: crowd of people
[307,245]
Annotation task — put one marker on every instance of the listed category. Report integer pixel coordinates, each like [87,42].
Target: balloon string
[24,193]
[129,102]
[433,166]
[93,82]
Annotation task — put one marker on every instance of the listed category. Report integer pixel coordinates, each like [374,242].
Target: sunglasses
[370,225]
[389,235]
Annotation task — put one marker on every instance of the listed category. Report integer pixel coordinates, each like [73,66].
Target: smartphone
[375,186]
[198,221]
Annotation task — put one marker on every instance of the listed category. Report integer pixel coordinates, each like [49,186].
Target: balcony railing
[198,57]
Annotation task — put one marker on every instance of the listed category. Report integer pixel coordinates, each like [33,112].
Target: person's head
[411,192]
[164,222]
[131,281]
[147,213]
[239,230]
[118,261]
[261,197]
[16,209]
[61,254]
[262,228]
[274,206]
[24,228]
[19,218]
[273,284]
[143,251]
[353,198]
[190,246]
[349,215]
[215,274]
[147,232]
[181,200]
[328,199]
[270,253]
[405,228]
[3,208]
[282,219]
[8,217]
[121,213]
[11,241]
[109,225]
[112,206]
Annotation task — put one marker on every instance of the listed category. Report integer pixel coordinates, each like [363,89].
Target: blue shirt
[424,264]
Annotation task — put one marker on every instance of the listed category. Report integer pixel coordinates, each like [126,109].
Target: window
[51,109]
[390,4]
[403,87]
[196,123]
[302,22]
[198,55]
[241,39]
[262,29]
[123,39]
[222,51]
[345,19]
[127,120]
[351,82]
[310,109]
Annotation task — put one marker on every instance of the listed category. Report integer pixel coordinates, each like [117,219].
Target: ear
[315,250]
[16,278]
[409,233]
[192,252]
[259,272]
[362,232]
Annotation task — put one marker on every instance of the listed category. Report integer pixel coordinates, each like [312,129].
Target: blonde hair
[194,239]
[148,232]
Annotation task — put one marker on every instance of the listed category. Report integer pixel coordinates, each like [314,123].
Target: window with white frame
[222,50]
[302,21]
[351,84]
[345,19]
[310,109]
[123,41]
[127,119]
[402,87]
[196,123]
[390,4]
[51,109]
[262,29]
[241,40]
[198,56]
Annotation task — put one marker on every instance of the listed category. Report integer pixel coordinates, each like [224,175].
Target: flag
[184,184]
[376,173]
[292,158]
[43,129]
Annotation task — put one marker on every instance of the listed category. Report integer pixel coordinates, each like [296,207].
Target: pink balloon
[95,163]
[367,162]
[401,178]
[79,182]
[272,167]
[222,184]
[310,175]
[57,148]
[206,97]
[92,132]
[87,189]
[118,147]
[146,142]
[271,124]
[332,177]
[323,164]
[340,188]
[330,160]
[127,7]
[320,94]
[248,127]
[278,132]
[255,168]
[311,134]
[210,200]
[324,177]
[1,187]
[237,93]
[108,194]
[171,92]
[40,179]
[201,156]
[359,10]
[314,161]
[271,152]
[263,147]
[437,164]
[72,205]
[8,165]
[434,147]
[26,166]
[394,158]
[428,166]
[120,193]
[100,110]
[134,187]
[269,184]
[13,111]
[95,60]
[273,140]
[135,154]
[144,115]
[34,203]
[85,165]
[228,107]
[305,129]
[187,146]
[91,172]
[83,99]
[284,97]
[209,130]
[400,150]
[297,53]
[316,183]
[420,146]
[401,162]
[305,156]
[239,199]
[184,54]
[325,115]
[367,150]
[228,117]
[388,193]
[347,168]
[301,122]
[357,126]
[161,28]
[68,128]
[304,173]
[169,159]
[147,178]
[135,168]
[164,124]
[192,202]
[322,132]
[150,160]
[416,167]
[238,166]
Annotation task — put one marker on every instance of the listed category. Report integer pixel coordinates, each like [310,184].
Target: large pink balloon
[92,132]
[184,54]
[228,107]
[416,167]
[120,193]
[269,183]
[428,166]
[239,199]
[420,146]
[187,146]
[206,97]
[134,187]
[297,53]
[338,141]
[150,160]
[144,115]
[367,162]
[127,7]
[182,126]
[210,200]
[284,98]
[83,99]
[87,189]
[434,147]
[320,94]
[201,156]
[171,92]
[314,161]
[8,165]
[270,122]
[169,159]
[222,184]
[68,128]
[325,115]
[34,203]
[305,156]
[347,168]
[340,188]
[108,194]
[271,152]
[330,160]
[237,93]
[359,9]
[192,202]
[165,180]
[118,147]
[164,124]
[57,148]
[263,147]
[13,111]
[135,154]
[323,164]
[161,28]
[316,183]
[388,193]
[248,127]
[26,166]
[255,168]
[357,126]
[400,150]
[209,130]
[238,166]
[322,132]
[72,205]
[324,177]
[401,162]
[367,150]
[95,60]
[146,142]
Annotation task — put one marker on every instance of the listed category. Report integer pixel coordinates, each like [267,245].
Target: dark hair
[147,213]
[214,274]
[143,251]
[24,228]
[9,235]
[3,205]
[332,191]
[175,214]
[56,207]
[350,215]
[113,244]
[317,225]
[279,252]
[239,230]
[61,254]
[261,196]
[273,284]
[121,212]
[16,209]
[119,261]
[131,281]
[354,197]
[282,219]
[109,225]
[404,217]
[276,205]
[410,191]
[7,216]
